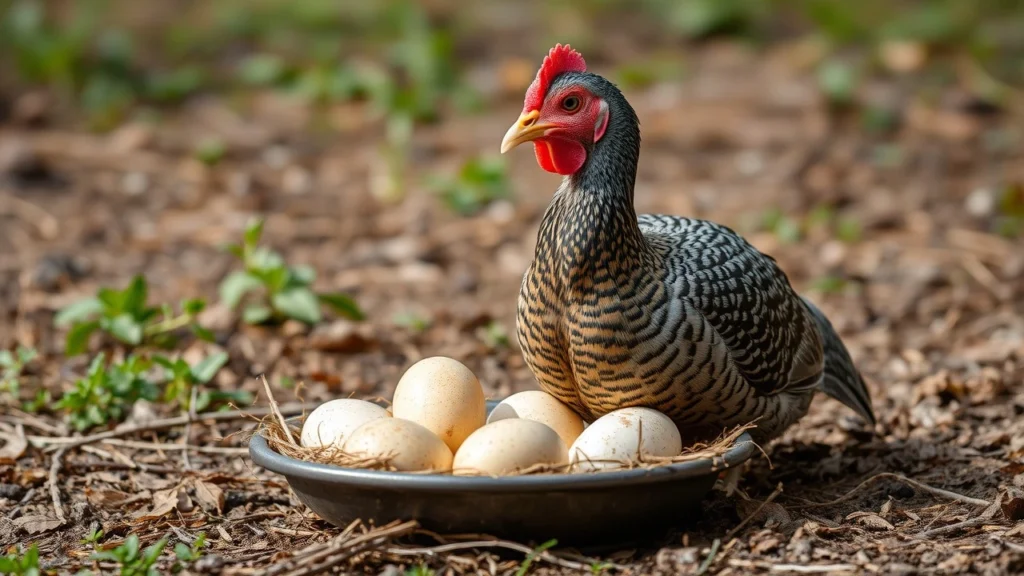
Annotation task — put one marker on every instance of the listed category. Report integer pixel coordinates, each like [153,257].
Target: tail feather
[842,381]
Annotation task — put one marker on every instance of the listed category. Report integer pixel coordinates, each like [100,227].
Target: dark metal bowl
[583,509]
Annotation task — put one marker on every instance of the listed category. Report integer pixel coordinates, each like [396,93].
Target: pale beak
[525,129]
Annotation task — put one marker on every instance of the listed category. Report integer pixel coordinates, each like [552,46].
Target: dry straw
[282,440]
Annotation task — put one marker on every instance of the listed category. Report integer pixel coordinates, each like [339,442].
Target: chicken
[676,314]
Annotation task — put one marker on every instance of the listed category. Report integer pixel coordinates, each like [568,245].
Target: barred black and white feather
[677,314]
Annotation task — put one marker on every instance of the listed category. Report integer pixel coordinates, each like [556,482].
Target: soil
[928,298]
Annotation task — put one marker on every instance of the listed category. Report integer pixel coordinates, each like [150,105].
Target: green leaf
[298,303]
[301,276]
[154,551]
[7,566]
[6,358]
[343,304]
[78,337]
[135,296]
[256,314]
[108,555]
[207,368]
[202,333]
[182,552]
[253,232]
[131,547]
[125,328]
[236,286]
[78,312]
[193,306]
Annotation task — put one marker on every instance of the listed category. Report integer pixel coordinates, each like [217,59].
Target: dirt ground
[928,298]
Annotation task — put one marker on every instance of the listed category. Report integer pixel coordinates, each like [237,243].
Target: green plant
[420,570]
[126,316]
[131,560]
[182,378]
[25,563]
[93,537]
[106,393]
[494,335]
[188,553]
[286,291]
[13,364]
[480,181]
[38,402]
[528,561]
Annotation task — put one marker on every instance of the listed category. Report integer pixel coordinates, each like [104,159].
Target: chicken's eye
[571,103]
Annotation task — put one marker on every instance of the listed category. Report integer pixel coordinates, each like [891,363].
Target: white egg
[507,446]
[540,407]
[332,422]
[442,395]
[614,439]
[404,444]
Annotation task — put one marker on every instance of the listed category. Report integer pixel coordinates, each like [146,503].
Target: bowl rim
[264,456]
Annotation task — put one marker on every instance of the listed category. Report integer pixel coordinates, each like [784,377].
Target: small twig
[75,442]
[905,480]
[55,465]
[188,427]
[711,557]
[775,493]
[544,555]
[985,516]
[813,568]
[44,222]
[183,447]
[277,412]
[317,558]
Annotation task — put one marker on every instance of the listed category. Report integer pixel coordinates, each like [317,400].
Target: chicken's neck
[589,233]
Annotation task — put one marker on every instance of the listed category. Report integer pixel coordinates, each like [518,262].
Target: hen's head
[565,114]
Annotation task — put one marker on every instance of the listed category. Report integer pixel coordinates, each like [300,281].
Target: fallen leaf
[871,521]
[37,524]
[164,502]
[1012,504]
[210,496]
[15,444]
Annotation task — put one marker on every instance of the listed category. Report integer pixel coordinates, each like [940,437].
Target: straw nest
[283,441]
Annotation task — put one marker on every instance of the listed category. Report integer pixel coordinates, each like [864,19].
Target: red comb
[560,59]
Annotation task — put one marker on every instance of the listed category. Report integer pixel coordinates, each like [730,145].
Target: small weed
[829,284]
[41,400]
[126,316]
[494,335]
[187,554]
[93,537]
[286,291]
[1010,220]
[107,393]
[211,151]
[13,364]
[131,560]
[24,563]
[420,570]
[481,180]
[525,566]
[412,321]
[786,229]
[182,378]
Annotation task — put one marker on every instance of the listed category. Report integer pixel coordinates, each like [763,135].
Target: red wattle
[559,156]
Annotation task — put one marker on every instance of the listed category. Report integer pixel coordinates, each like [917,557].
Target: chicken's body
[676,314]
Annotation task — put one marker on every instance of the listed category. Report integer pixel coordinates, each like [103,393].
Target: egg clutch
[438,422]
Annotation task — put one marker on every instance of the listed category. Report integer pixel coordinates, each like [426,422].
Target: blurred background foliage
[109,59]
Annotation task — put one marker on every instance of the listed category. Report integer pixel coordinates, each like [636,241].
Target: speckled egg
[404,444]
[442,395]
[540,407]
[614,439]
[332,422]
[507,446]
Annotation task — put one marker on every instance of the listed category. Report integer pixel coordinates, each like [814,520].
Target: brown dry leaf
[771,511]
[871,521]
[1012,504]
[164,502]
[105,498]
[210,496]
[15,444]
[37,523]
